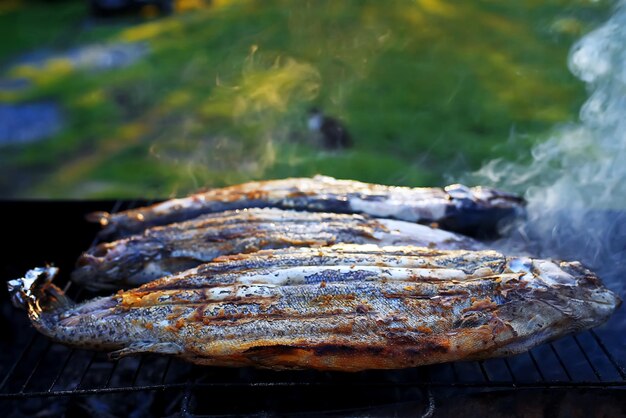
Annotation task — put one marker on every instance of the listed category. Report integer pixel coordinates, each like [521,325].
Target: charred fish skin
[166,250]
[345,318]
[458,208]
[291,264]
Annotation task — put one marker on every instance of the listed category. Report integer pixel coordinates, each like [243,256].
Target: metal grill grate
[42,369]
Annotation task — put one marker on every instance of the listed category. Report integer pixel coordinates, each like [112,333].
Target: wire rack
[46,370]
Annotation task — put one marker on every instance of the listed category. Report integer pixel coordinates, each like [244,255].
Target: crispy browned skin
[476,210]
[165,250]
[341,308]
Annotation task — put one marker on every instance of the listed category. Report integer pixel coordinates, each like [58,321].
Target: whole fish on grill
[340,308]
[477,210]
[160,251]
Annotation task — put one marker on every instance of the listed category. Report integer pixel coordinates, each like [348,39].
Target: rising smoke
[576,182]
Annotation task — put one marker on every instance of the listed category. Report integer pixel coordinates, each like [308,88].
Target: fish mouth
[587,280]
[607,298]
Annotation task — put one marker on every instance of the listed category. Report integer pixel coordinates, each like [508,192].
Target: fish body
[476,210]
[344,307]
[161,251]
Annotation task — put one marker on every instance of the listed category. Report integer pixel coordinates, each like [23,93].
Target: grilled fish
[164,250]
[342,308]
[458,208]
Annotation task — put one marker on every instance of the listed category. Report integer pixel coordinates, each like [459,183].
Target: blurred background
[157,98]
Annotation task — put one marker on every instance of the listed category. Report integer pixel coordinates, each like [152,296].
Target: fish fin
[101,218]
[35,291]
[109,230]
[141,347]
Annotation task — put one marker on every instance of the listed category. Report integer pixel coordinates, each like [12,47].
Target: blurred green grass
[429,90]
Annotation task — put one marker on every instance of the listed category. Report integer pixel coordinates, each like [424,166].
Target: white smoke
[576,182]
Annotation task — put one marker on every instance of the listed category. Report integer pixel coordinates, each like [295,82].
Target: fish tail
[35,292]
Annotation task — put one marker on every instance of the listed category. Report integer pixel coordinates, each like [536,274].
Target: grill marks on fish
[296,265]
[255,286]
[456,207]
[308,314]
[353,316]
[160,251]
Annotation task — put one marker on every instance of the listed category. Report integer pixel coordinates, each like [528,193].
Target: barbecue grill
[584,372]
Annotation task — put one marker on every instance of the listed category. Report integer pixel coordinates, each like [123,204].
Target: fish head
[569,293]
[546,300]
[582,289]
